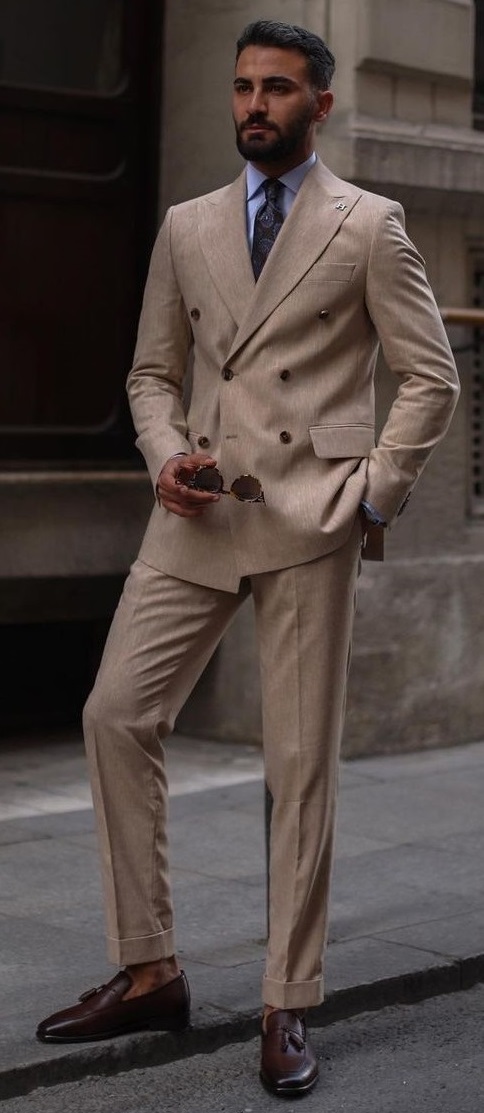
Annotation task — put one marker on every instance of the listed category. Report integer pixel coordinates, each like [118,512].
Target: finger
[186,508]
[177,492]
[185,499]
[198,460]
[181,511]
[192,497]
[190,464]
[173,466]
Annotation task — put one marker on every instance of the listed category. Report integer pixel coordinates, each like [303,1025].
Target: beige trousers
[162,636]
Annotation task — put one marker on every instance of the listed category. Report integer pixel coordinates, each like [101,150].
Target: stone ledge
[52,477]
[71,524]
[427,167]
[445,160]
[436,36]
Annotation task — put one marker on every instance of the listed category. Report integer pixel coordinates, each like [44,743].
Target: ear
[324,104]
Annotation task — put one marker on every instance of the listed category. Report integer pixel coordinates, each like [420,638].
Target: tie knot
[272,190]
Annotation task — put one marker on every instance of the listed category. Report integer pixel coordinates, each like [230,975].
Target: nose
[257,102]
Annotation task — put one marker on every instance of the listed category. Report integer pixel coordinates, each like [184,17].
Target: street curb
[148,1049]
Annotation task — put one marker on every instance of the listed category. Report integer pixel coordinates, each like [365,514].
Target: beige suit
[282,389]
[342,273]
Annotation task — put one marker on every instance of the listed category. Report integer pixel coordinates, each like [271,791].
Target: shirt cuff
[372,514]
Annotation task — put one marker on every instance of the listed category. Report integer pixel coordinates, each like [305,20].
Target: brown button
[227,374]
[203,442]
[284,375]
[323,313]
[195,313]
[285,437]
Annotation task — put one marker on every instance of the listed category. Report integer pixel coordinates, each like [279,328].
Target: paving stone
[458,936]
[395,887]
[416,809]
[35,828]
[52,882]
[421,764]
[241,843]
[358,962]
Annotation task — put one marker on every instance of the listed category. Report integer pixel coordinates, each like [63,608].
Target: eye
[278,87]
[242,87]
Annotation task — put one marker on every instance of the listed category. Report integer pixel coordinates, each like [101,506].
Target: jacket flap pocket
[331,272]
[332,441]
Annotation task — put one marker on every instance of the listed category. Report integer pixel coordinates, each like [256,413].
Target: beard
[277,149]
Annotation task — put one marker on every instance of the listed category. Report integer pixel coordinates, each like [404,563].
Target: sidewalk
[407,908]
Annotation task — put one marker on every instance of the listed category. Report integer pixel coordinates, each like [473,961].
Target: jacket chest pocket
[331,272]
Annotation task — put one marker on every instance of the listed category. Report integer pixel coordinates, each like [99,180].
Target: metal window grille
[478,92]
[476,438]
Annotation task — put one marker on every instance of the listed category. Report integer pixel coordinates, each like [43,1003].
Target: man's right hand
[177,498]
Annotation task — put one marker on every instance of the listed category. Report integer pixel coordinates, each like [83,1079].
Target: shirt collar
[293,179]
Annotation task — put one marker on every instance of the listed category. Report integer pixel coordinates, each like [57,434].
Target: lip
[254,129]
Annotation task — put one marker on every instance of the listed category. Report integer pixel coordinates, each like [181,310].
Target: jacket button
[203,442]
[195,314]
[323,313]
[284,375]
[227,374]
[285,437]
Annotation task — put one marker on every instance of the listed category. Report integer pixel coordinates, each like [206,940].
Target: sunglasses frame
[188,478]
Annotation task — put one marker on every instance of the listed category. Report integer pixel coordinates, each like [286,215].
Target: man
[281,284]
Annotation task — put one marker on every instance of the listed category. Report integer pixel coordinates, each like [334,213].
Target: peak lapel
[322,204]
[223,238]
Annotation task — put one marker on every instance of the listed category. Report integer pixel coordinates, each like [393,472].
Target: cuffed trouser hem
[145,948]
[292,995]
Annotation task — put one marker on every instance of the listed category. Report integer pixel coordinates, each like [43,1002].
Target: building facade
[407,122]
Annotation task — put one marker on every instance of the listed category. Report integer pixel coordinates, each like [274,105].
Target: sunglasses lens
[246,488]
[208,479]
[184,476]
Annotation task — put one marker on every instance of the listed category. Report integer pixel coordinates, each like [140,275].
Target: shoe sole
[150,1026]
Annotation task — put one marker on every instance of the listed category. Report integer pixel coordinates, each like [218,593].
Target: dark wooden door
[79,100]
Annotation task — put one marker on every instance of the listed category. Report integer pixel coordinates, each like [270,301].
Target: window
[476,439]
[478,98]
[61,44]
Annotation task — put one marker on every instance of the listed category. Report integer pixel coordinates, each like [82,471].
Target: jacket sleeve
[155,382]
[415,346]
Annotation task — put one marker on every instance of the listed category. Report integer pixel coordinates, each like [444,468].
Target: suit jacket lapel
[223,238]
[312,223]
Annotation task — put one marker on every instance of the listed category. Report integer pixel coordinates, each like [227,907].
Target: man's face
[275,107]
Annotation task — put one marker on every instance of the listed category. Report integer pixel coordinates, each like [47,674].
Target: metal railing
[472,346]
[473,318]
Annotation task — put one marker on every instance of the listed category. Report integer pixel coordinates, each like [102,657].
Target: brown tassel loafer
[288,1064]
[102,1012]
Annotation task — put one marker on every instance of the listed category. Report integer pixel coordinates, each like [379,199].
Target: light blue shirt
[292,182]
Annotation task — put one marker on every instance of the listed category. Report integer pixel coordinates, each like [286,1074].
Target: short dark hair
[287,36]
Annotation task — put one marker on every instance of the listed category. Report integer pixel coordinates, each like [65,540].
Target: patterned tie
[268,223]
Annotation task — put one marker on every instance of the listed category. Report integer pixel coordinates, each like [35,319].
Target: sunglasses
[246,488]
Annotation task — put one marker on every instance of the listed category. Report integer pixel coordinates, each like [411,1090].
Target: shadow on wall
[47,672]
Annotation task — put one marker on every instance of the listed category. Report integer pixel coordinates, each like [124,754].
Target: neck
[276,170]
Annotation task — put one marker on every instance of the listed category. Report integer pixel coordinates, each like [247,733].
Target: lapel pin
[341,206]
